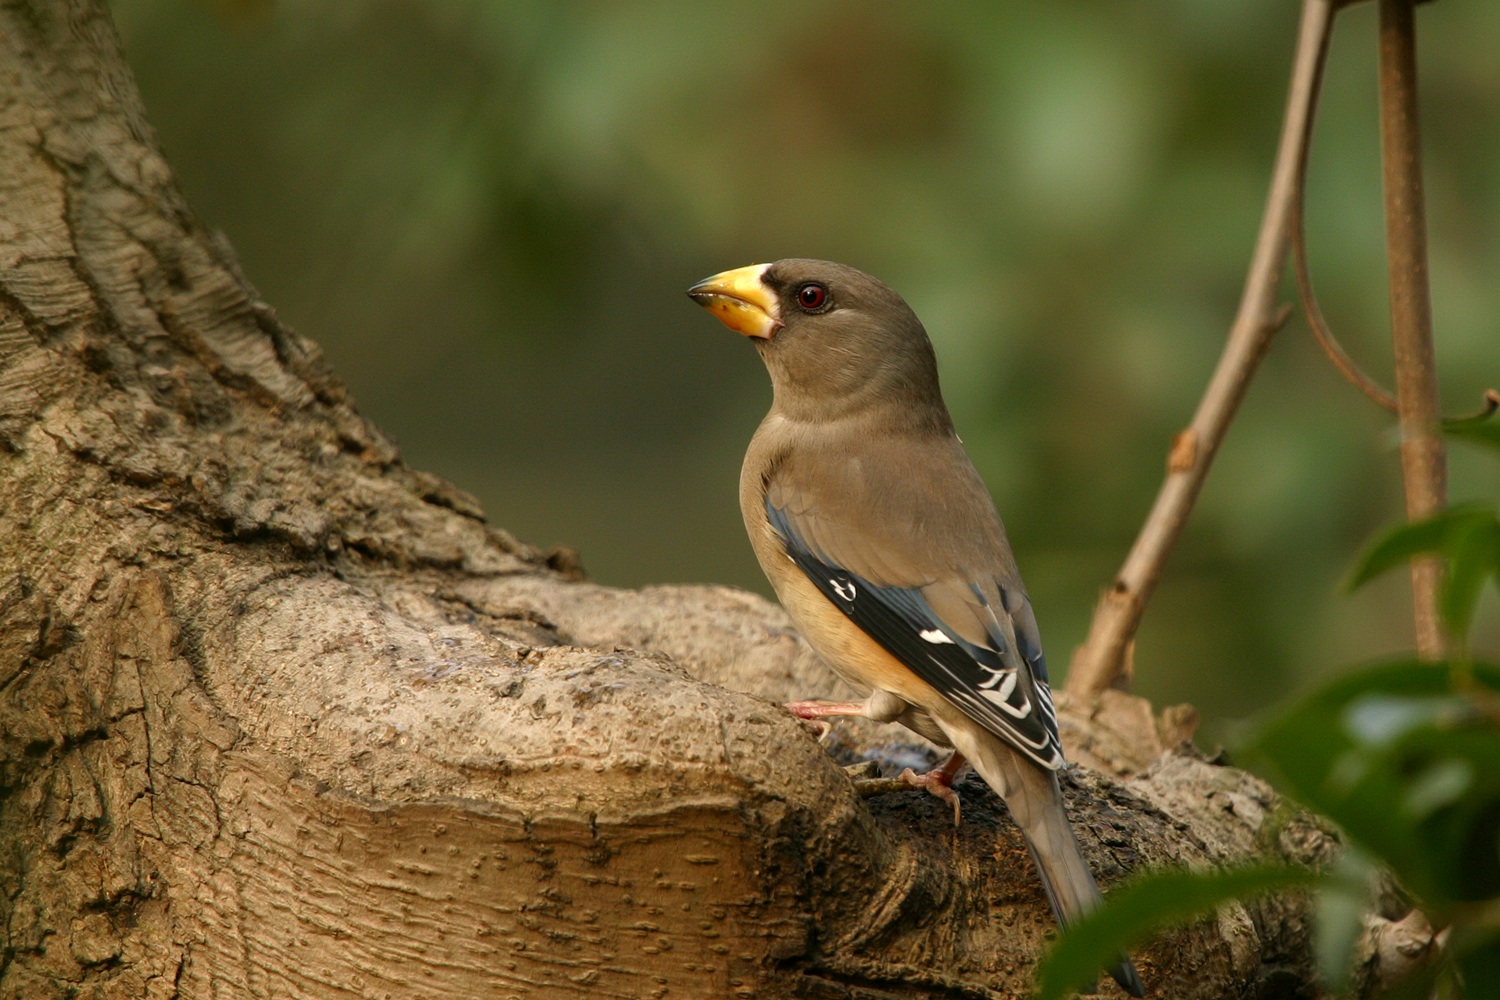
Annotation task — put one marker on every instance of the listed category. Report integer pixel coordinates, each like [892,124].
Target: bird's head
[834,339]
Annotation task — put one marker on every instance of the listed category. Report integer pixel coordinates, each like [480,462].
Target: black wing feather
[1012,702]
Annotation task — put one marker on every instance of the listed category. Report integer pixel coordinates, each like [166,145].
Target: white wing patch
[999,681]
[999,688]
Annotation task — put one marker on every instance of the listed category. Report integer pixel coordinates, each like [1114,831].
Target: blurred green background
[487,212]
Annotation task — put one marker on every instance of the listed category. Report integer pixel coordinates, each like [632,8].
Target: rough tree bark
[283,717]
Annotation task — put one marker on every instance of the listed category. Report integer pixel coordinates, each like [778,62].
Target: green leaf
[1340,907]
[1133,911]
[1484,431]
[1407,764]
[1473,551]
[1398,545]
[1468,538]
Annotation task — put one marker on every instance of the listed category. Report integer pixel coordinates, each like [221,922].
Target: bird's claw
[820,728]
[938,782]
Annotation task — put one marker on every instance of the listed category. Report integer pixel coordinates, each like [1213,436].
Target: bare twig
[1324,335]
[1101,662]
[1334,351]
[1347,366]
[1423,460]
[1310,308]
[1486,409]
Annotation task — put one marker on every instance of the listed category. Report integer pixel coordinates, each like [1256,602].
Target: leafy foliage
[1468,538]
[1404,756]
[1481,430]
[1134,910]
[1407,763]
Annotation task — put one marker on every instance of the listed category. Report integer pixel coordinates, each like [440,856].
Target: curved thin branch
[1101,662]
[1332,349]
[1486,409]
[1321,331]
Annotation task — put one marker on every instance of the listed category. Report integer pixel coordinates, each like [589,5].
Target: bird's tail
[1035,801]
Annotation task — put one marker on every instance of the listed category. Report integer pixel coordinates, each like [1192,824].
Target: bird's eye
[811,295]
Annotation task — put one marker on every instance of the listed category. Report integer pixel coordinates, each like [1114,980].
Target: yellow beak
[741,301]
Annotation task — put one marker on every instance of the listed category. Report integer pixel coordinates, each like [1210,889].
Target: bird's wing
[971,635]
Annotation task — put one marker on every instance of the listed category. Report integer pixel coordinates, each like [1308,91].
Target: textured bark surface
[283,717]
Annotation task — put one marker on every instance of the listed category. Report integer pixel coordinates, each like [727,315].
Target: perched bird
[884,546]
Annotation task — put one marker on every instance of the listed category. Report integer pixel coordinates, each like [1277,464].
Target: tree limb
[1102,661]
[1423,459]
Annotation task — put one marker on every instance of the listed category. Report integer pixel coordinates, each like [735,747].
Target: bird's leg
[883,707]
[826,709]
[814,712]
[939,781]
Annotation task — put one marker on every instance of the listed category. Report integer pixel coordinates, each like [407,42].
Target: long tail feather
[1071,888]
[1035,800]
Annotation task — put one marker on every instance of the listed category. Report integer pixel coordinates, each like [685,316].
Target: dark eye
[811,295]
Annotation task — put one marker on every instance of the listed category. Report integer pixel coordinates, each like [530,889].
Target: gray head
[835,340]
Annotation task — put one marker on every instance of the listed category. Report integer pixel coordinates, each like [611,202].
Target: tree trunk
[283,717]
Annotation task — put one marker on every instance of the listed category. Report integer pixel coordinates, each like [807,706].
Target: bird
[884,546]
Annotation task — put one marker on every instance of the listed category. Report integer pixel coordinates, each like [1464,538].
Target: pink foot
[824,709]
[939,782]
[815,712]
